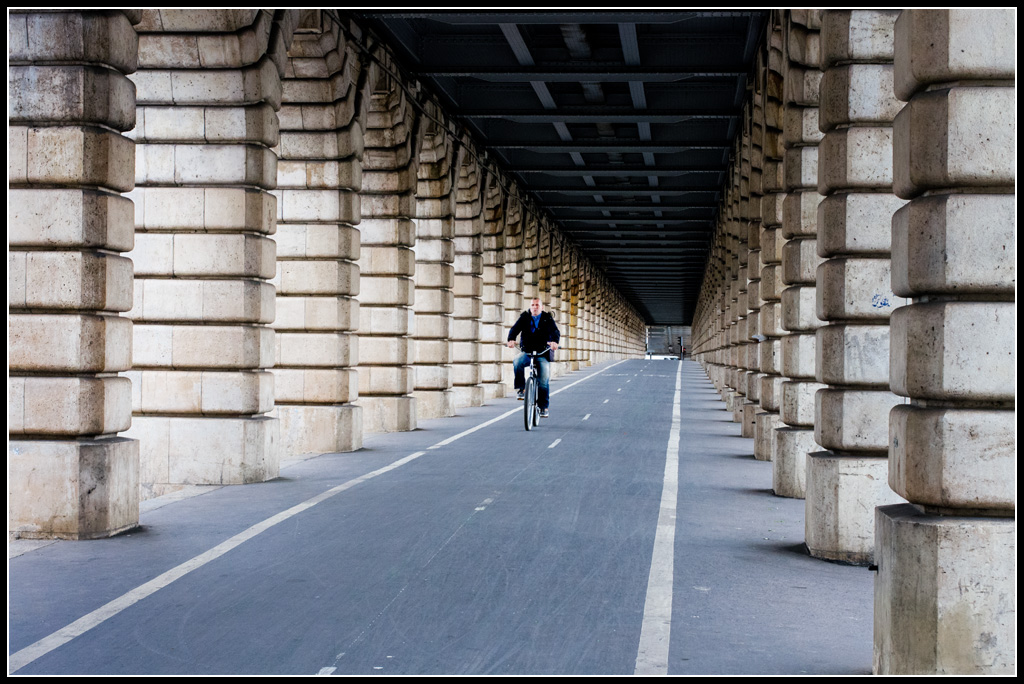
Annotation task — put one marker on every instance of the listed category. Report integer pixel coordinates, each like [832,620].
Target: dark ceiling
[620,124]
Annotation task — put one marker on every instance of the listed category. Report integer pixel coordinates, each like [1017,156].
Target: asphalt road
[450,550]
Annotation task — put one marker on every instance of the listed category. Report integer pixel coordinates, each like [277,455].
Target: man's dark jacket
[535,340]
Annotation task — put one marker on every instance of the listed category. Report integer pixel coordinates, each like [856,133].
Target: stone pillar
[553,302]
[468,288]
[770,324]
[319,174]
[208,88]
[752,401]
[945,593]
[854,296]
[435,273]
[387,261]
[571,308]
[586,327]
[492,316]
[514,259]
[69,475]
[759,207]
[543,262]
[800,137]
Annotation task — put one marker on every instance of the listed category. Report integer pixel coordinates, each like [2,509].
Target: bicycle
[531,412]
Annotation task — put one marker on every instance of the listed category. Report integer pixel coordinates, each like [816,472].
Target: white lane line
[326,671]
[652,654]
[85,623]
[586,416]
[103,613]
[515,410]
[619,390]
[554,444]
[605,401]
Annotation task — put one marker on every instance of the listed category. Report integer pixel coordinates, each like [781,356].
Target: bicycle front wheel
[529,402]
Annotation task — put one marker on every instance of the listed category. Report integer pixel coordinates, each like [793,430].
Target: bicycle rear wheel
[529,402]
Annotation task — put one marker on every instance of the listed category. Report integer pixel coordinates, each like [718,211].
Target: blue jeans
[543,379]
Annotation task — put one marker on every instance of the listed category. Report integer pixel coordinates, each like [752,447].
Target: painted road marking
[85,623]
[105,612]
[554,444]
[326,670]
[605,401]
[586,416]
[656,628]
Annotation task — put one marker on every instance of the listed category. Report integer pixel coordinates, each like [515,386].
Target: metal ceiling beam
[572,72]
[606,146]
[575,17]
[596,114]
[617,170]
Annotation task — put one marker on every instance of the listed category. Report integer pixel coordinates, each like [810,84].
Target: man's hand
[510,344]
[553,345]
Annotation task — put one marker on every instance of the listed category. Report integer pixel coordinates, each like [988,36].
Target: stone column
[571,309]
[543,262]
[553,302]
[69,475]
[514,259]
[800,136]
[435,273]
[752,304]
[319,174]
[854,296]
[387,262]
[586,325]
[770,324]
[468,287]
[945,593]
[492,334]
[208,88]
[760,207]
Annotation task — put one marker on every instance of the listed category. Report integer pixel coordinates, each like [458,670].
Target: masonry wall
[266,240]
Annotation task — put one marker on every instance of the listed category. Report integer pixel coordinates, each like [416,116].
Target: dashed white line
[34,651]
[586,416]
[605,401]
[326,671]
[554,444]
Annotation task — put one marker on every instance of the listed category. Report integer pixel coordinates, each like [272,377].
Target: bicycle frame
[531,412]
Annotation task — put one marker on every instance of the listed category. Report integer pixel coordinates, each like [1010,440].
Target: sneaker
[543,413]
[519,395]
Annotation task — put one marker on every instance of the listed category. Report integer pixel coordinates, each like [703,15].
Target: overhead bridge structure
[237,236]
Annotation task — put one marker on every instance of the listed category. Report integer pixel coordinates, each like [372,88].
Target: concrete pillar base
[493,390]
[72,490]
[789,465]
[434,404]
[230,450]
[388,414]
[765,424]
[320,429]
[747,424]
[945,594]
[471,395]
[730,398]
[841,495]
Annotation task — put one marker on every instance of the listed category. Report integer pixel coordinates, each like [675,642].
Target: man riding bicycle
[538,333]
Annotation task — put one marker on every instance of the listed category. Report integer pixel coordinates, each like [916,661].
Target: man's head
[536,306]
